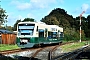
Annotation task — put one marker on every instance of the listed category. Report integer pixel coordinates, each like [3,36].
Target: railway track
[77,54]
[33,52]
[24,49]
[10,51]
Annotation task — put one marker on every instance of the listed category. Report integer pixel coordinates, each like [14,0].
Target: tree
[88,19]
[70,24]
[9,28]
[51,21]
[15,25]
[3,16]
[59,17]
[25,20]
[28,19]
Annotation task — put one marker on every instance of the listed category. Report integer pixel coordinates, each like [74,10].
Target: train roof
[32,22]
[53,26]
[56,26]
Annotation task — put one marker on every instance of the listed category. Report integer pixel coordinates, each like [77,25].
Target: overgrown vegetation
[71,25]
[73,46]
[7,47]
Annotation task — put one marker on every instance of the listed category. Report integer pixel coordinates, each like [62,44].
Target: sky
[38,9]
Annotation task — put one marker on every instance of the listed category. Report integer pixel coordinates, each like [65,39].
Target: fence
[8,38]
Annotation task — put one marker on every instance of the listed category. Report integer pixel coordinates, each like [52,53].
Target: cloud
[42,3]
[21,5]
[86,8]
[30,15]
[12,18]
[34,4]
[61,1]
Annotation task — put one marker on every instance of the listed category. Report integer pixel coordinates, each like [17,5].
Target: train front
[24,34]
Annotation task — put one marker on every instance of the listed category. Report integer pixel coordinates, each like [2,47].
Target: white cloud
[85,7]
[61,1]
[20,17]
[42,3]
[12,18]
[21,5]
[30,15]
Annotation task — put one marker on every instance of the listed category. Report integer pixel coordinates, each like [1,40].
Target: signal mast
[80,24]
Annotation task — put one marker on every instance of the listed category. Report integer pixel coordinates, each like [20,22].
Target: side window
[46,32]
[37,28]
[41,33]
[61,35]
[49,34]
[52,34]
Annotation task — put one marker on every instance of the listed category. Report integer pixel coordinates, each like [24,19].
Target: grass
[73,46]
[65,48]
[7,47]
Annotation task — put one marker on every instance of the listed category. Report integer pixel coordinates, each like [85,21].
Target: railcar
[30,34]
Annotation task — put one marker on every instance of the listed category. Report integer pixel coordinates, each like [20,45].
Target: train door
[46,33]
[41,33]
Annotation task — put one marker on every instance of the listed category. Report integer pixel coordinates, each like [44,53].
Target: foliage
[88,19]
[73,46]
[25,20]
[15,25]
[71,25]
[9,28]
[57,16]
[3,16]
[28,19]
[51,20]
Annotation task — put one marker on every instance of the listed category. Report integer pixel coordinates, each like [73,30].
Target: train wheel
[60,43]
[39,45]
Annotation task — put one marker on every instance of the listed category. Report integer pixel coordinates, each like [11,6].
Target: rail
[35,51]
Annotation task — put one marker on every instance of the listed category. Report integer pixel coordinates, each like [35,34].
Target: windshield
[25,29]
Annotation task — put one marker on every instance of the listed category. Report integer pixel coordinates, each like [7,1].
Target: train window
[61,35]
[25,32]
[26,26]
[25,29]
[41,33]
[37,28]
[52,34]
[46,32]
